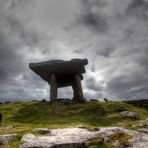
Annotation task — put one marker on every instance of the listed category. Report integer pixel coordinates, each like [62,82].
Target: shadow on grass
[43,113]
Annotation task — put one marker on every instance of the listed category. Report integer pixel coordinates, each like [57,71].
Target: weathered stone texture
[77,89]
[59,138]
[53,88]
[74,137]
[4,139]
[127,114]
[59,73]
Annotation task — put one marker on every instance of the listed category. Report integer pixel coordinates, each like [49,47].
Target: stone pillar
[74,93]
[53,88]
[77,90]
[0,117]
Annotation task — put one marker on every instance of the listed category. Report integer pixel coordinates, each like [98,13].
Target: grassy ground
[26,116]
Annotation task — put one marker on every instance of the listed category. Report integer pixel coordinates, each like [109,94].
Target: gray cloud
[91,18]
[93,85]
[105,52]
[138,8]
[112,34]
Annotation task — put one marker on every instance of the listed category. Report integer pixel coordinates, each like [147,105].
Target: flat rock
[66,138]
[127,114]
[74,137]
[42,130]
[66,69]
[139,140]
[7,138]
[106,133]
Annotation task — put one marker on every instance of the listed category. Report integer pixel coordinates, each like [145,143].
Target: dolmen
[60,73]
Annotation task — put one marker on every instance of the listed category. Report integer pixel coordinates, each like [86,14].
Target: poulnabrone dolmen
[59,73]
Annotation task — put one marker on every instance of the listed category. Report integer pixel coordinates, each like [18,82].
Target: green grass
[26,116]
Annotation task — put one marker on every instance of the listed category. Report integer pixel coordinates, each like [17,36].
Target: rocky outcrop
[74,137]
[7,138]
[143,130]
[66,138]
[139,140]
[127,114]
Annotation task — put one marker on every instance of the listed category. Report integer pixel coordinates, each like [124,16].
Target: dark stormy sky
[112,34]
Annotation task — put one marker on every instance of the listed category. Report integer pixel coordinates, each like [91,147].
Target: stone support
[77,90]
[53,88]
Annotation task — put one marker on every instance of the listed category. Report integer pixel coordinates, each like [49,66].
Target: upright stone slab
[0,117]
[53,88]
[77,89]
[59,73]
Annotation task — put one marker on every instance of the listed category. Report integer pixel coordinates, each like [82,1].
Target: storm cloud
[111,34]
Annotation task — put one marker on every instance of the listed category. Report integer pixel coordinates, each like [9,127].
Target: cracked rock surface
[75,137]
[66,138]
